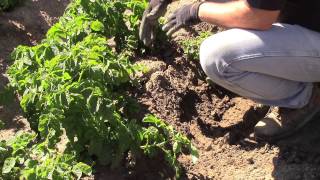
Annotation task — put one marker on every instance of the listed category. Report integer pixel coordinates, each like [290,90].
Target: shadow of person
[237,133]
[299,156]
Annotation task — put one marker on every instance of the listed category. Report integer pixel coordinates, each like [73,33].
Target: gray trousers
[274,67]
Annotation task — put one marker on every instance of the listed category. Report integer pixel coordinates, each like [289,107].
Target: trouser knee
[214,53]
[220,51]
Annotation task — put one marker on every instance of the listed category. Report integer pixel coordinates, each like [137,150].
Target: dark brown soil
[219,123]
[221,126]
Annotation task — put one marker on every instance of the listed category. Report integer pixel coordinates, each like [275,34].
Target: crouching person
[270,53]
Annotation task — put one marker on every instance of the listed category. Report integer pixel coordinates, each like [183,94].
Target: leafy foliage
[74,82]
[191,46]
[159,136]
[23,159]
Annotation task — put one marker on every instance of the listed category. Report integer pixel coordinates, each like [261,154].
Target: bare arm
[237,14]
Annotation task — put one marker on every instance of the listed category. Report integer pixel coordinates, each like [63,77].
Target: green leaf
[97,26]
[81,168]
[29,174]
[21,141]
[30,163]
[66,76]
[194,154]
[8,165]
[176,147]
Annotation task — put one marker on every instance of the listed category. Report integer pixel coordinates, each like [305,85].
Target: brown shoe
[282,122]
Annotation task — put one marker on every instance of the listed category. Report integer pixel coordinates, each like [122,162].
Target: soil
[219,123]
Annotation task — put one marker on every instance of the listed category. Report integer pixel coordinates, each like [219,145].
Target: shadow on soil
[141,168]
[300,150]
[299,154]
[236,134]
[27,24]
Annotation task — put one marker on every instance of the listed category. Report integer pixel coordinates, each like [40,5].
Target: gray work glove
[154,11]
[182,17]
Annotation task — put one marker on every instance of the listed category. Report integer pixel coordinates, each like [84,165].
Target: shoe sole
[291,132]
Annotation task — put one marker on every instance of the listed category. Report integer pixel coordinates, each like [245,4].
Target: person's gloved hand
[184,16]
[154,11]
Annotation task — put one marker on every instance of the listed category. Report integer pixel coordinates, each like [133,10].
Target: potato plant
[73,84]
[191,46]
[22,158]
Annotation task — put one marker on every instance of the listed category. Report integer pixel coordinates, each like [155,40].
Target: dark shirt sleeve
[267,4]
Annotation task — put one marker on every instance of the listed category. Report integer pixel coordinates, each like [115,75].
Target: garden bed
[219,123]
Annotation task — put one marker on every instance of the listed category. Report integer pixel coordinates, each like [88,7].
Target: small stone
[209,147]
